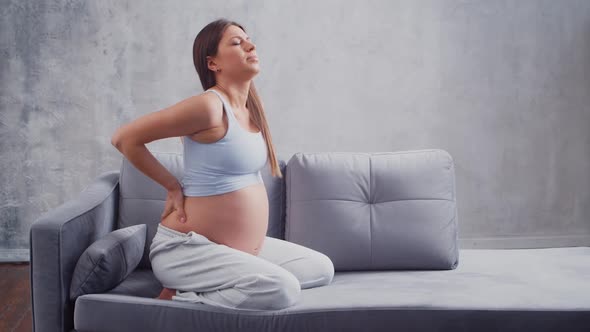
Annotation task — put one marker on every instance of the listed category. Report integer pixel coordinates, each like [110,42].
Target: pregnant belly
[237,219]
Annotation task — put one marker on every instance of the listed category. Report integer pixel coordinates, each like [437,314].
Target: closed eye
[238,42]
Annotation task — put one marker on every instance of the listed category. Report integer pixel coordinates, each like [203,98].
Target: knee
[287,289]
[291,291]
[275,291]
[323,272]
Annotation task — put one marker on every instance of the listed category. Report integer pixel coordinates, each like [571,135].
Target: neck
[237,92]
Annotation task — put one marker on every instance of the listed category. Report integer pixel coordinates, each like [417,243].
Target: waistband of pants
[169,231]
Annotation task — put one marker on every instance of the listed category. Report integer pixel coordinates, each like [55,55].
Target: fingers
[180,208]
[167,210]
[173,203]
[181,215]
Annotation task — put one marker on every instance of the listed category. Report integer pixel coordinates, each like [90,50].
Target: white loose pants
[207,272]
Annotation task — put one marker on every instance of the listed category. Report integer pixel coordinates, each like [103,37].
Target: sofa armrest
[57,239]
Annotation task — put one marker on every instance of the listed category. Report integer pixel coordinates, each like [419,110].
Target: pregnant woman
[211,244]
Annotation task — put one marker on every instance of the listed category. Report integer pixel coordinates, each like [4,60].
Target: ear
[211,64]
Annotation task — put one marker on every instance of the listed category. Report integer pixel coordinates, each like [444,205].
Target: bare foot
[166,294]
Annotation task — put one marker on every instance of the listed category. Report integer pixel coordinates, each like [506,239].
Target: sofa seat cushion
[492,290]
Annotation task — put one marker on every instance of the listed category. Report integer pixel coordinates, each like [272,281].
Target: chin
[253,73]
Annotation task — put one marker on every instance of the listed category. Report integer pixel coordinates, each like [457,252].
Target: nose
[252,46]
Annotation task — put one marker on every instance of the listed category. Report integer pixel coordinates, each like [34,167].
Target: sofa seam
[287,203]
[282,216]
[121,197]
[394,200]
[370,218]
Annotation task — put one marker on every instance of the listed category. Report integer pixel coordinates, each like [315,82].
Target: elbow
[116,140]
[121,142]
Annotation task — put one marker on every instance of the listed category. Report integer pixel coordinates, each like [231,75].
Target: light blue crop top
[229,164]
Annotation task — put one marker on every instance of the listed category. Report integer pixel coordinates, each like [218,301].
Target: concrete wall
[503,86]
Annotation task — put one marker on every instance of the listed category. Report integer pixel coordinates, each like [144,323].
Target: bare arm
[184,118]
[144,160]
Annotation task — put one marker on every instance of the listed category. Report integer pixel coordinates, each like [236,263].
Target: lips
[252,57]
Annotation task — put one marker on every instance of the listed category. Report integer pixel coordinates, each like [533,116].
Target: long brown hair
[206,44]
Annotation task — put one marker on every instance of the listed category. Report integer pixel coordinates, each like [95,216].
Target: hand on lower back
[175,202]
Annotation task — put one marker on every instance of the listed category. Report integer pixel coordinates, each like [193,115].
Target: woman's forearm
[144,160]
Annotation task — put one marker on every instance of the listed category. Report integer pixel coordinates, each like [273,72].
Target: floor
[15,297]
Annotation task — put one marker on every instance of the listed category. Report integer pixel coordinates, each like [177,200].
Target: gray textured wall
[501,85]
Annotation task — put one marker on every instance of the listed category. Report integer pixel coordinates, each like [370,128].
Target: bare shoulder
[204,108]
[214,105]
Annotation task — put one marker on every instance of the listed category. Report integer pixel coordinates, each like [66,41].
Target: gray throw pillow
[108,261]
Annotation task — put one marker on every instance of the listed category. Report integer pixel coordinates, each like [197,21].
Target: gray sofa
[388,221]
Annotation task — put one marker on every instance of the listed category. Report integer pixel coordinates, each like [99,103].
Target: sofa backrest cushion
[141,199]
[375,211]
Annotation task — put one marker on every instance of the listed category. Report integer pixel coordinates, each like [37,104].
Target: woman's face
[236,55]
